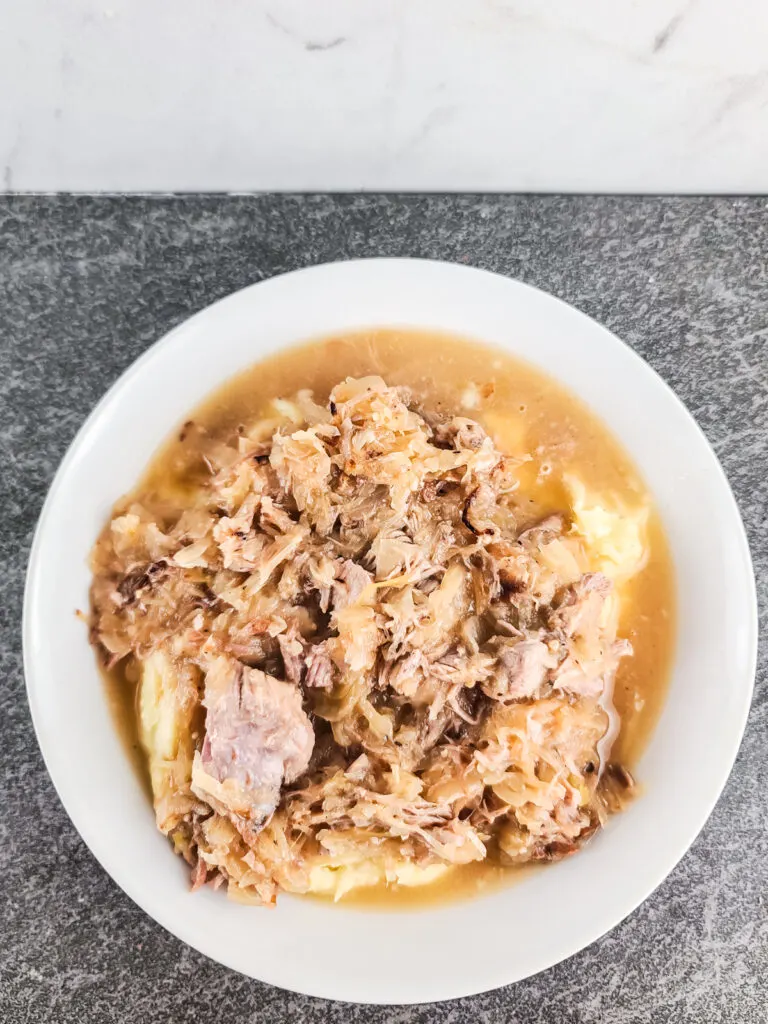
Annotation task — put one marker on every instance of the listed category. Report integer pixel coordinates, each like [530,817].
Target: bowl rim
[35,576]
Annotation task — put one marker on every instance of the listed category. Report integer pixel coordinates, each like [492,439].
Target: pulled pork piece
[592,654]
[478,509]
[579,611]
[615,789]
[460,432]
[320,667]
[292,648]
[257,737]
[522,669]
[358,644]
[351,581]
[545,530]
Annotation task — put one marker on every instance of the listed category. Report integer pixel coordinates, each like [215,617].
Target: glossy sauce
[526,412]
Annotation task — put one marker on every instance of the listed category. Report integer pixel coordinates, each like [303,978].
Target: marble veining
[498,95]
[89,283]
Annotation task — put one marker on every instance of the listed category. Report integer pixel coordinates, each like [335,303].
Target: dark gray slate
[86,284]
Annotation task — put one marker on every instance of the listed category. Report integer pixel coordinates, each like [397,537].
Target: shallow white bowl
[448,951]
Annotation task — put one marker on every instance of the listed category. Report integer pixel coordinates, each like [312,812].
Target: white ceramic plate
[448,951]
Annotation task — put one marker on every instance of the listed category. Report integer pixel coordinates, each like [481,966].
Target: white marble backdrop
[524,95]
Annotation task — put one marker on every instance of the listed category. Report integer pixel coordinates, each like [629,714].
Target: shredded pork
[363,645]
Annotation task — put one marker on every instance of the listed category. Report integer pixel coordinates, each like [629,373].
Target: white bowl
[452,950]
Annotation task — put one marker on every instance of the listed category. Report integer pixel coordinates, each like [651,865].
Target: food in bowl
[390,608]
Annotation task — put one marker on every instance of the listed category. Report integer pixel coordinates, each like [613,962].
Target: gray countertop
[88,283]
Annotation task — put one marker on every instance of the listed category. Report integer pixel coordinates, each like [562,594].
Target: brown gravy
[527,412]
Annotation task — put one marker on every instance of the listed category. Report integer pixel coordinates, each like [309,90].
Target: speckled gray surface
[88,284]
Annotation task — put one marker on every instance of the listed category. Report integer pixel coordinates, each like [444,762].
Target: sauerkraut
[364,656]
